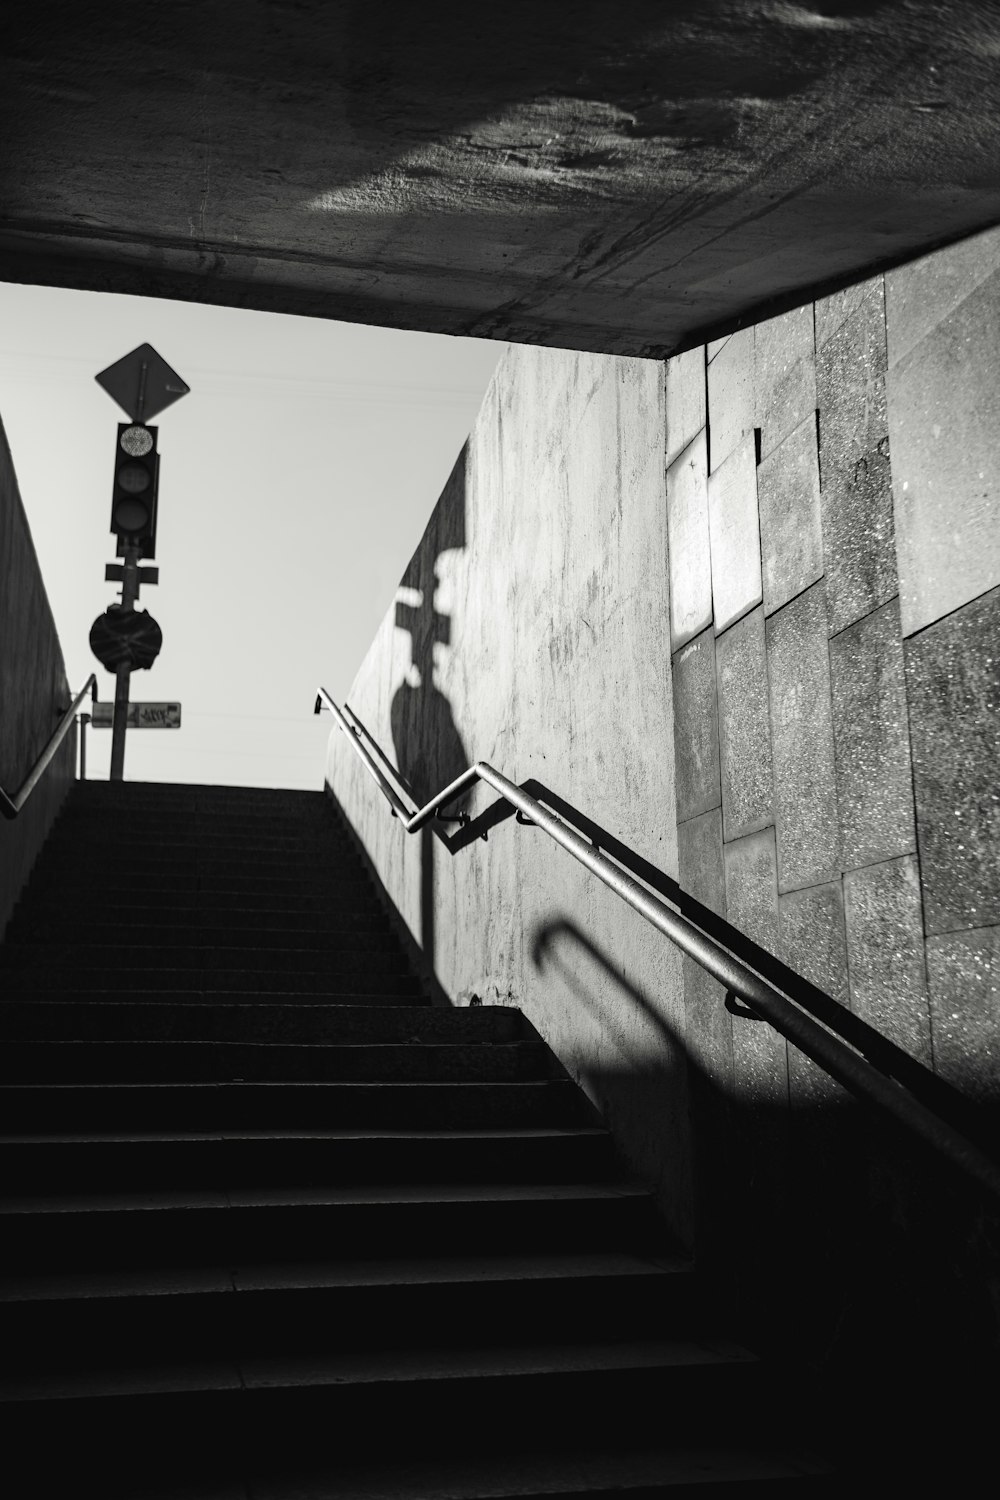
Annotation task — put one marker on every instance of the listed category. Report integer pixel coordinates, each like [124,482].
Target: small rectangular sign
[140,715]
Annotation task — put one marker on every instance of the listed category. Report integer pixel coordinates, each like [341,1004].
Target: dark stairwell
[276,1226]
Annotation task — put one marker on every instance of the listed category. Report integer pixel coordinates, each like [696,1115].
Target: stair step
[124,1163]
[287,980]
[247,989]
[238,877]
[196,925]
[101,1019]
[253,1312]
[335,955]
[185,1227]
[175,1061]
[235,1106]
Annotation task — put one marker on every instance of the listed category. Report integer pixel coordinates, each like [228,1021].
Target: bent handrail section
[10,806]
[849,1068]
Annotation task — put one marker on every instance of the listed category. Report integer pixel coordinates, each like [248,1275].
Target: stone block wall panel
[696,731]
[944,427]
[730,396]
[734,531]
[744,728]
[805,793]
[953,684]
[688,543]
[872,740]
[963,979]
[791,537]
[686,400]
[885,953]
[708,1024]
[812,940]
[760,1054]
[784,375]
[855,486]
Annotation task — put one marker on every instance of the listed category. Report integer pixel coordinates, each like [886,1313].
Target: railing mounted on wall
[10,806]
[875,1082]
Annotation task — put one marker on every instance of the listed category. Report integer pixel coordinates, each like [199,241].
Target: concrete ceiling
[618,176]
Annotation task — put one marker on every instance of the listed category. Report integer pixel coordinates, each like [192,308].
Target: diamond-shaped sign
[142,383]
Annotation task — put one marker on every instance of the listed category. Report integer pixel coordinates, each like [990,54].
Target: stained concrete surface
[944,431]
[734,534]
[688,542]
[885,952]
[708,1025]
[696,727]
[744,728]
[872,740]
[34,692]
[953,683]
[805,792]
[855,485]
[618,177]
[791,536]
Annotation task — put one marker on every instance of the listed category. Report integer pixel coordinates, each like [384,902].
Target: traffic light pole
[130,593]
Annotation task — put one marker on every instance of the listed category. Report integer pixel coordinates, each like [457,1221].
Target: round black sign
[129,638]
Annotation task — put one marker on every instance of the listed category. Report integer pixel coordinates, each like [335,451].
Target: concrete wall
[33,692]
[793,653]
[529,634]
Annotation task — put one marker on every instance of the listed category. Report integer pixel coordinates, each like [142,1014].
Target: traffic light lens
[137,441]
[133,479]
[130,516]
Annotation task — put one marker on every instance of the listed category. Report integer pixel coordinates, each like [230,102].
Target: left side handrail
[10,806]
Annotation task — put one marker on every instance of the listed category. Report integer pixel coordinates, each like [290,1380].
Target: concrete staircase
[273,1226]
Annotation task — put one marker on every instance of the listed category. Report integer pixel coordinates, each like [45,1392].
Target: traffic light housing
[133,502]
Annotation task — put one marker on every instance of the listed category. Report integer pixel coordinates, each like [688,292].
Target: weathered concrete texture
[686,399]
[925,292]
[730,396]
[784,375]
[688,542]
[856,495]
[696,728]
[708,1025]
[760,1054]
[735,535]
[798,668]
[744,728]
[885,952]
[872,740]
[791,535]
[953,684]
[544,564]
[812,940]
[624,178]
[944,429]
[963,976]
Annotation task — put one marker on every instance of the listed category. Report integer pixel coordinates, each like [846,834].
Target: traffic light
[133,503]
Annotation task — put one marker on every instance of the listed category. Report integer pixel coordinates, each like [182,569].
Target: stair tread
[323,1275]
[389,1366]
[352,1194]
[471,1133]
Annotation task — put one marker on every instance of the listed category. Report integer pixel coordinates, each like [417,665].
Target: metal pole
[119,723]
[130,592]
[83,721]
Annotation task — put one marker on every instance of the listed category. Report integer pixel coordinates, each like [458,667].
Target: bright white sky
[295,482]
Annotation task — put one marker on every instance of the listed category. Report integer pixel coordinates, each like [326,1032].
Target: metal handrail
[854,1072]
[10,806]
